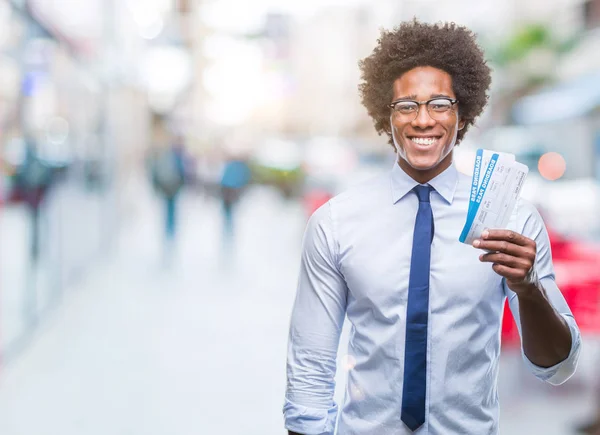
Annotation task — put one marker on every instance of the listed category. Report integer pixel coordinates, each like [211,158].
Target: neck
[426,175]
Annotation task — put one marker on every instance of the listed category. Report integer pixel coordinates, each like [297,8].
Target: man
[425,309]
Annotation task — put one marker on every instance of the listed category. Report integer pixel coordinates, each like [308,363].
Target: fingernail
[481,257]
[485,234]
[476,243]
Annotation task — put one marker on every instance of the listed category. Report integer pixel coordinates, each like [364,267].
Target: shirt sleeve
[532,226]
[316,325]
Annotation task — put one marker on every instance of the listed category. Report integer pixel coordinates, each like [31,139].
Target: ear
[461,124]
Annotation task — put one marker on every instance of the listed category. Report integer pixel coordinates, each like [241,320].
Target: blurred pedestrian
[168,172]
[32,180]
[425,309]
[234,179]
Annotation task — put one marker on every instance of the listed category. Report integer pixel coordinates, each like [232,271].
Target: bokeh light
[348,362]
[356,393]
[552,166]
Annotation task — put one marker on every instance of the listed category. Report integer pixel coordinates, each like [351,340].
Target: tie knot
[423,192]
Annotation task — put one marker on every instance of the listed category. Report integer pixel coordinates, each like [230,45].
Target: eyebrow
[414,97]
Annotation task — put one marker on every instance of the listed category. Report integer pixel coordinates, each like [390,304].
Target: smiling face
[424,144]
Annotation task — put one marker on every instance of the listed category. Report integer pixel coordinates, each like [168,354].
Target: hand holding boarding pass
[497,182]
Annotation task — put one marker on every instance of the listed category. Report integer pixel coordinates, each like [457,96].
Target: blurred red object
[314,199]
[577,269]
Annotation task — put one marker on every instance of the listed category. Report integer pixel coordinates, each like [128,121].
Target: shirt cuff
[561,372]
[309,421]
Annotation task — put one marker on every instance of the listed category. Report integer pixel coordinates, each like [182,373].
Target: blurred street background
[159,160]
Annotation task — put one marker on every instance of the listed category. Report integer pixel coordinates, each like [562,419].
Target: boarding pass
[495,187]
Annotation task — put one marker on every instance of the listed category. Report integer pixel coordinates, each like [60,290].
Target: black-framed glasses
[438,108]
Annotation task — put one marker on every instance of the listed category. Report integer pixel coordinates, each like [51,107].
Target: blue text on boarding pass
[496,198]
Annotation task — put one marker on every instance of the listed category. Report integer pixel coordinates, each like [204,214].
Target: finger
[501,246]
[509,273]
[506,260]
[508,235]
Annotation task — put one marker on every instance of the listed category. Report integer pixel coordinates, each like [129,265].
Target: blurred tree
[527,39]
[525,61]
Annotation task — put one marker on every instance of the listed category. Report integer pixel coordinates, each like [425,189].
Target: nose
[423,120]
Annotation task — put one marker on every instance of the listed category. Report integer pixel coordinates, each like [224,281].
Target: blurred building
[75,86]
[324,54]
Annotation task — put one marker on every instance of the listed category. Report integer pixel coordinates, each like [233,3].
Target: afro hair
[412,44]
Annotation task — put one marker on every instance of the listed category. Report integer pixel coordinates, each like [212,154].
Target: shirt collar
[444,184]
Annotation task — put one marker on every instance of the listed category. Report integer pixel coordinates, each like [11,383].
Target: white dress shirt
[356,262]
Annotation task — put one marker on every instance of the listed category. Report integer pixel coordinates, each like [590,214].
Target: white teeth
[423,140]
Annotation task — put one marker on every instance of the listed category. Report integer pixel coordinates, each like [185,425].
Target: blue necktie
[415,353]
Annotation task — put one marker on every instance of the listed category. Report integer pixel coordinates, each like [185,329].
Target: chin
[423,163]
